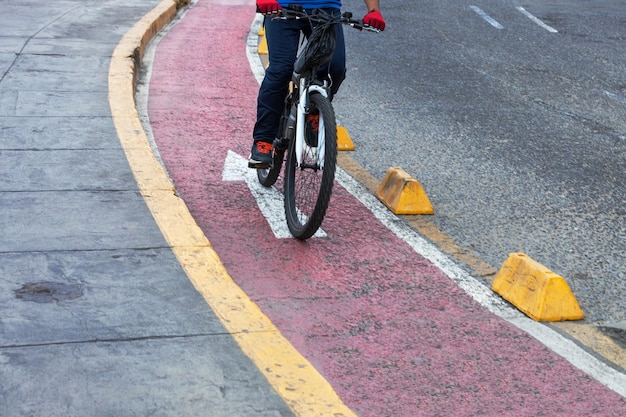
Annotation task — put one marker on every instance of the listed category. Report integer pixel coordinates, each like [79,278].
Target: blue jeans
[282,41]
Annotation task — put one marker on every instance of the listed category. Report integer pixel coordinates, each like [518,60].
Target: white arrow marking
[269,199]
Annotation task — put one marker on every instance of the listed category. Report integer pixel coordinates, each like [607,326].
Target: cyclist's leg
[282,40]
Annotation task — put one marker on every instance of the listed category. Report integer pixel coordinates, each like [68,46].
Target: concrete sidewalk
[97,317]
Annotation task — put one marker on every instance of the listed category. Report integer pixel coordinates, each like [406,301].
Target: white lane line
[564,347]
[536,20]
[252,45]
[615,97]
[488,18]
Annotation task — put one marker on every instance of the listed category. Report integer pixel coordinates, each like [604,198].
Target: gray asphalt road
[515,127]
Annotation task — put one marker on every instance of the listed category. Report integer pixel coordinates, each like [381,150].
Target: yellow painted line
[594,338]
[301,386]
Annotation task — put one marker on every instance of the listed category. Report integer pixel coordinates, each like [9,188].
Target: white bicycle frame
[300,122]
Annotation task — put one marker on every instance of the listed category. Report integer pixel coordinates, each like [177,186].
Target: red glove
[374,19]
[268,6]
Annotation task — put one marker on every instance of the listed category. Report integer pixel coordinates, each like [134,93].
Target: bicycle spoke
[307,186]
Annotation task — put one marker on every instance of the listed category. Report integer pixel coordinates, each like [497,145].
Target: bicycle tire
[268,176]
[308,190]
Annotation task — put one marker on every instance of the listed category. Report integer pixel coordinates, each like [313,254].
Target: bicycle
[308,130]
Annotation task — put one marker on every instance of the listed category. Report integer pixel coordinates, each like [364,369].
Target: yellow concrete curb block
[262,48]
[344,143]
[403,194]
[535,290]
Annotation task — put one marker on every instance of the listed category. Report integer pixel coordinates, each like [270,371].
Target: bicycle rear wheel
[308,187]
[268,176]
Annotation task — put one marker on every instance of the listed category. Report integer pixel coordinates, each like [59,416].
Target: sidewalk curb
[290,374]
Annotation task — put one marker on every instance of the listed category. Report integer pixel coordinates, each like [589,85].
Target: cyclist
[282,41]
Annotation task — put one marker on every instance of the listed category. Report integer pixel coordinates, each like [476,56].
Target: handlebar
[296,12]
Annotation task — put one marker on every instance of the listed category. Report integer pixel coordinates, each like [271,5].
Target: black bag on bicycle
[318,50]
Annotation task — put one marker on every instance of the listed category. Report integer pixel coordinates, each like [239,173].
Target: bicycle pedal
[281,144]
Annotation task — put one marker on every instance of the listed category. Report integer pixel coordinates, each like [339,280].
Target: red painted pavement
[390,332]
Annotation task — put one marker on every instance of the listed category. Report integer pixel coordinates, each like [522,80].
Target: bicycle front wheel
[308,186]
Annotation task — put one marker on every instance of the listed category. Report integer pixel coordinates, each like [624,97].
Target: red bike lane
[388,329]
